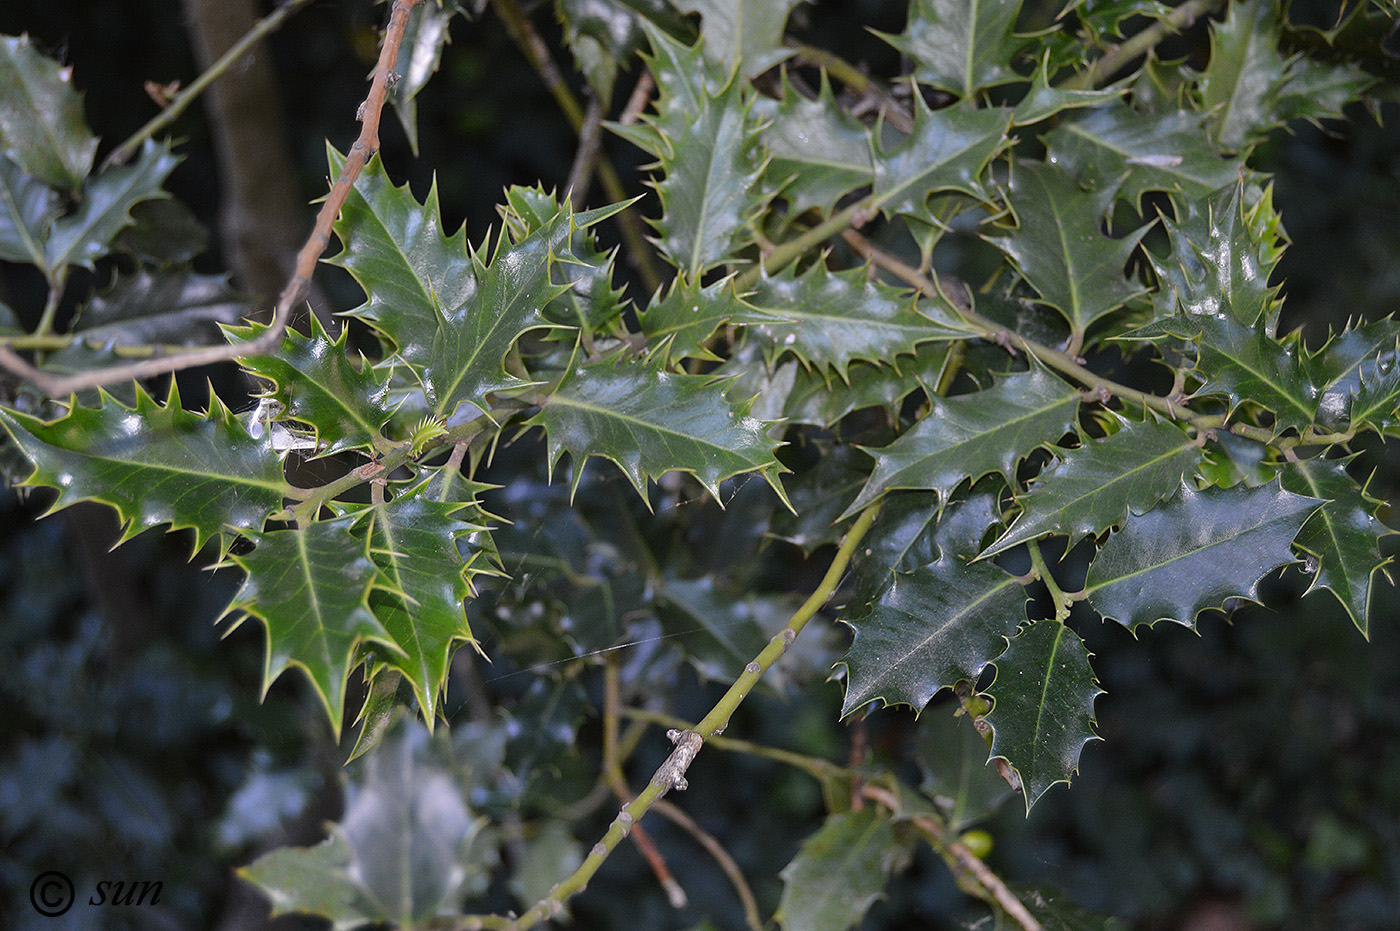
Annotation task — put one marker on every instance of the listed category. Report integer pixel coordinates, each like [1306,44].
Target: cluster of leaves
[1122,383]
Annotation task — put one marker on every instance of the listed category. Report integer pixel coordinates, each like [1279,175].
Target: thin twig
[590,140]
[270,341]
[181,102]
[721,856]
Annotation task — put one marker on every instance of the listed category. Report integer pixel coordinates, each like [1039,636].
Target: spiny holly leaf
[1359,355]
[974,434]
[742,34]
[1223,252]
[41,116]
[310,588]
[155,464]
[707,144]
[1246,364]
[650,422]
[1343,535]
[820,153]
[1194,552]
[421,584]
[394,247]
[1377,404]
[947,151]
[1044,713]
[167,306]
[961,46]
[839,872]
[829,319]
[1059,247]
[316,881]
[1098,484]
[1043,100]
[28,208]
[1117,148]
[419,56]
[604,34]
[104,208]
[679,323]
[316,381]
[1241,84]
[932,621]
[813,397]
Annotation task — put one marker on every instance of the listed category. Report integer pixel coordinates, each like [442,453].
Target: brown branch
[296,288]
[590,142]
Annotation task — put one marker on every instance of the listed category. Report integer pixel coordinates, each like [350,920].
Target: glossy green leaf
[971,435]
[650,422]
[1059,247]
[1246,72]
[1117,148]
[315,881]
[28,208]
[155,464]
[104,208]
[317,383]
[42,129]
[422,583]
[1101,482]
[1043,100]
[828,319]
[957,776]
[604,34]
[818,398]
[742,34]
[1377,403]
[948,151]
[1337,370]
[961,46]
[1343,535]
[1195,552]
[839,872]
[172,306]
[1044,712]
[680,322]
[420,53]
[310,588]
[1223,251]
[820,153]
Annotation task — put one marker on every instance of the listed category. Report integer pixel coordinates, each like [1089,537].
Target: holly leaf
[310,588]
[1059,247]
[1044,711]
[828,319]
[1117,148]
[679,323]
[961,46]
[820,153]
[314,880]
[1241,84]
[171,306]
[1043,100]
[420,53]
[1101,482]
[319,385]
[155,464]
[28,208]
[947,151]
[722,634]
[1195,552]
[1376,402]
[952,757]
[421,585]
[972,435]
[1343,535]
[742,34]
[1335,369]
[839,872]
[42,129]
[813,397]
[104,208]
[604,34]
[650,422]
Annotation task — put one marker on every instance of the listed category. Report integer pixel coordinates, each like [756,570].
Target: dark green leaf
[104,208]
[819,496]
[163,233]
[1043,100]
[176,306]
[1098,484]
[314,880]
[1059,246]
[651,422]
[156,464]
[41,116]
[948,151]
[310,588]
[1337,368]
[28,208]
[721,634]
[682,321]
[961,46]
[820,153]
[1195,552]
[1240,86]
[604,34]
[1343,535]
[829,319]
[742,34]
[1044,713]
[419,55]
[315,380]
[972,435]
[839,872]
[815,397]
[1119,149]
[952,756]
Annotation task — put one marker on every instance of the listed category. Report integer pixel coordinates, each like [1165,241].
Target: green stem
[1119,56]
[45,327]
[263,28]
[1042,571]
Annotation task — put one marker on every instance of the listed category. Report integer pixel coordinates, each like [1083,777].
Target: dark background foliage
[1249,776]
